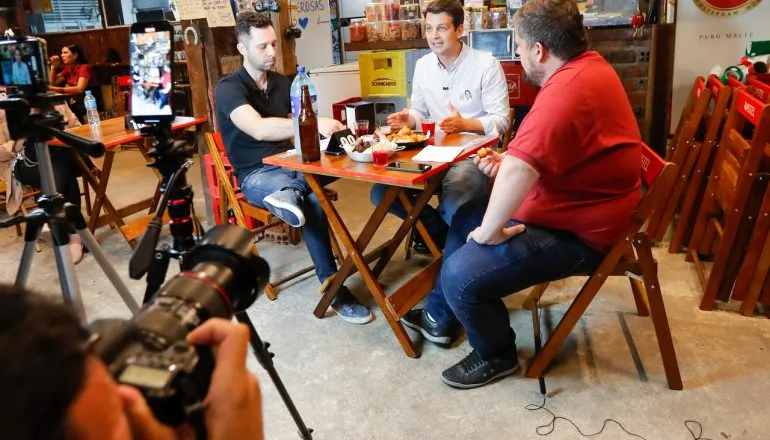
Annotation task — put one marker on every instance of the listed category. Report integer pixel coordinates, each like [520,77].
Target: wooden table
[112,133]
[396,304]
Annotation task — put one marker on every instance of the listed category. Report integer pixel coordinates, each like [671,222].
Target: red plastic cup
[380,156]
[429,125]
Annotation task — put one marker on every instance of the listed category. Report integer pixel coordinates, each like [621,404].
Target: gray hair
[556,24]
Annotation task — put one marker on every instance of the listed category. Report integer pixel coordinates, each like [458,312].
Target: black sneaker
[473,372]
[417,319]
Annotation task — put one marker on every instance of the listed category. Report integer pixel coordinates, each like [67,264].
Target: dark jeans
[463,183]
[65,172]
[475,278]
[315,231]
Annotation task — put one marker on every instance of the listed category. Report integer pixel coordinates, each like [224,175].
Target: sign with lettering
[219,13]
[314,47]
[340,139]
[712,33]
[189,9]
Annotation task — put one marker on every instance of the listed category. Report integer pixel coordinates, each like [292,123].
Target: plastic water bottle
[296,100]
[91,112]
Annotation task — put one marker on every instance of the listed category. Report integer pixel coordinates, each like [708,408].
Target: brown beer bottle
[309,143]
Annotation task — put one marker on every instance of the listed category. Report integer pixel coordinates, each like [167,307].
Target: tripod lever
[145,250]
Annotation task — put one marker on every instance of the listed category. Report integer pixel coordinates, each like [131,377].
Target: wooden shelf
[387,45]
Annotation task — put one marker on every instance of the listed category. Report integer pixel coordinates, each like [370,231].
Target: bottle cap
[300,69]
[88,92]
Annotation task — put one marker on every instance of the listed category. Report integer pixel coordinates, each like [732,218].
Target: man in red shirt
[563,194]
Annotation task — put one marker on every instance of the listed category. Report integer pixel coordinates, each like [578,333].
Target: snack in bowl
[362,149]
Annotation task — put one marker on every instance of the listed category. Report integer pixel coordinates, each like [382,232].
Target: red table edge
[382,178]
[136,136]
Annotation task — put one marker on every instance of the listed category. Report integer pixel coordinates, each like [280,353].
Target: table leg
[434,250]
[374,222]
[100,189]
[355,253]
[398,237]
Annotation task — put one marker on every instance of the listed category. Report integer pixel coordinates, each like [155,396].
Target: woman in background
[74,79]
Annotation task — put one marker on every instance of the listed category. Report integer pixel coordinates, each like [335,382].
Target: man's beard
[533,76]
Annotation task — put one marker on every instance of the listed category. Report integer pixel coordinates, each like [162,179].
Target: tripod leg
[75,218]
[31,234]
[68,280]
[265,359]
[110,271]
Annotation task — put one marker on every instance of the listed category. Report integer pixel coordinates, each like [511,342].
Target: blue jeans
[315,231]
[462,184]
[475,278]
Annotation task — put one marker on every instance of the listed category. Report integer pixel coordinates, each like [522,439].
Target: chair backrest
[714,118]
[691,119]
[739,158]
[217,137]
[759,89]
[658,175]
[226,190]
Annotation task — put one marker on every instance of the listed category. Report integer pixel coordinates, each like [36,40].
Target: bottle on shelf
[307,123]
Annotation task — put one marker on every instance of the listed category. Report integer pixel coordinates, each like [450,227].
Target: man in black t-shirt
[254,117]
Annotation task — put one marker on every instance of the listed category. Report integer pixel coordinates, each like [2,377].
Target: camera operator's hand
[233,404]
[143,424]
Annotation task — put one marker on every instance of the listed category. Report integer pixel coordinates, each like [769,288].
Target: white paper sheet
[433,153]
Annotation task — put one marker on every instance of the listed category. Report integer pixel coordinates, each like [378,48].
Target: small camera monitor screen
[21,63]
[151,73]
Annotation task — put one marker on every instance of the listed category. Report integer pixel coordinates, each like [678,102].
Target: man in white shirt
[463,90]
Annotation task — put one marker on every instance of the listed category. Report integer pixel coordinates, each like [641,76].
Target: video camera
[149,352]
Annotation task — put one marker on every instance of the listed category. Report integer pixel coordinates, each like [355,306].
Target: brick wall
[631,59]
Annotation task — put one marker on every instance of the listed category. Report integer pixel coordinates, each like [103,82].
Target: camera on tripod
[24,64]
[150,352]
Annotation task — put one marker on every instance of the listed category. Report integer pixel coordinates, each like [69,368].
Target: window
[70,15]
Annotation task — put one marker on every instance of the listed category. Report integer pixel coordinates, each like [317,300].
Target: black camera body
[221,276]
[24,65]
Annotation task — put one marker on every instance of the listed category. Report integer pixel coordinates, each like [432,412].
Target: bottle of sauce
[309,142]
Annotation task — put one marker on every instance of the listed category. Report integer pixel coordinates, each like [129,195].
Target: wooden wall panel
[95,43]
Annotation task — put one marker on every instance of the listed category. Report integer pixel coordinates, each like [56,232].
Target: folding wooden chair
[229,198]
[632,257]
[732,199]
[705,150]
[682,151]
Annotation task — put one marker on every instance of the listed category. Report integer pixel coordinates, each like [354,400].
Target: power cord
[554,418]
[691,425]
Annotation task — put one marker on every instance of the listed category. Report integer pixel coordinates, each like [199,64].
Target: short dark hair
[77,50]
[556,24]
[42,364]
[453,8]
[250,19]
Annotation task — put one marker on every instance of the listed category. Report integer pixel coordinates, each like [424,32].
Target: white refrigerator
[335,83]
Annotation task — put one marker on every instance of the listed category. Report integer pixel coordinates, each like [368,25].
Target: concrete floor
[354,382]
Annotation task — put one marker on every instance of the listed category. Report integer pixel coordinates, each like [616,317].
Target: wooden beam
[286,59]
